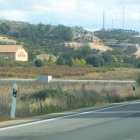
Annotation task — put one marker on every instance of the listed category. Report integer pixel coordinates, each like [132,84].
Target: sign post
[14,95]
[134,89]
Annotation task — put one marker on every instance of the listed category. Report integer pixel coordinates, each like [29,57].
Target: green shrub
[39,63]
[43,94]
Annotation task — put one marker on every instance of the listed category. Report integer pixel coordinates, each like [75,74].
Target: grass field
[72,73]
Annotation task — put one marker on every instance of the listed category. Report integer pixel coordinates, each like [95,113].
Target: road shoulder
[19,121]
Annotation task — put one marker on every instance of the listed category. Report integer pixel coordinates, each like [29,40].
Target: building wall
[7,56]
[21,55]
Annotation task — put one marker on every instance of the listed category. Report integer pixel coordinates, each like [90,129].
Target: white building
[13,52]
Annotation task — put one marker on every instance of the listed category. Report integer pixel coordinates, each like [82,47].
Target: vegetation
[138,80]
[117,34]
[39,63]
[71,72]
[51,39]
[37,99]
[73,63]
[95,60]
[11,63]
[47,38]
[124,43]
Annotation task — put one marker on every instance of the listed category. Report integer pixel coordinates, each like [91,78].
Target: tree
[61,32]
[108,58]
[95,60]
[31,55]
[4,28]
[83,61]
[60,61]
[70,62]
[39,63]
[78,62]
[84,51]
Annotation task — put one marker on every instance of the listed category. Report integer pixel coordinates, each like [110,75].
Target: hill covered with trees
[125,40]
[37,37]
[50,39]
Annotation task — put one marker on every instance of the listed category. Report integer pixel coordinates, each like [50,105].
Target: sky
[85,13]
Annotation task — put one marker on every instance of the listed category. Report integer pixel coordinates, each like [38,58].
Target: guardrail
[48,79]
[91,81]
[40,79]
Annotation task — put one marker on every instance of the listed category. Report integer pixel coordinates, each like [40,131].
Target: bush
[95,60]
[13,63]
[39,63]
[43,94]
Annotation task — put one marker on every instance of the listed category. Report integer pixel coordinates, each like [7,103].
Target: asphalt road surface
[118,122]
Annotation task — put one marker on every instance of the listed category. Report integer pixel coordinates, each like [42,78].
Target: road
[116,122]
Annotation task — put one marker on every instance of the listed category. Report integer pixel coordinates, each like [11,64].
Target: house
[13,52]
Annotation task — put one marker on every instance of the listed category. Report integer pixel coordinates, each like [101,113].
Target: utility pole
[103,20]
[112,24]
[123,18]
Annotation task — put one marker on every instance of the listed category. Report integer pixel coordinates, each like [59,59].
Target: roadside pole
[13,107]
[134,89]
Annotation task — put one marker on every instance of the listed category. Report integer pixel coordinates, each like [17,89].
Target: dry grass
[32,72]
[115,74]
[72,73]
[79,95]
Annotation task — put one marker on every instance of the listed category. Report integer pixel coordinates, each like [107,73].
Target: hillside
[48,38]
[74,46]
[6,41]
[93,45]
[82,37]
[55,39]
[125,40]
[37,38]
[137,53]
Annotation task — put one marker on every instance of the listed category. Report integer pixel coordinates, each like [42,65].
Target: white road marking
[115,112]
[67,116]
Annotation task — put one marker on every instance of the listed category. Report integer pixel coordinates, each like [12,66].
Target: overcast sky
[86,13]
